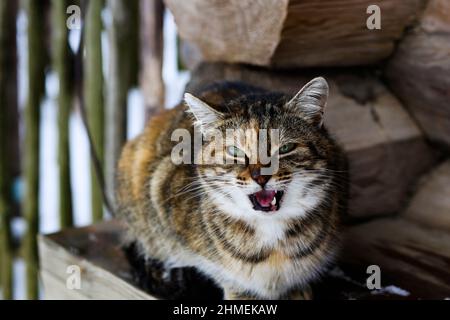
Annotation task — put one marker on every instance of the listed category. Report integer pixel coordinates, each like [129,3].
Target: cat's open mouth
[266,200]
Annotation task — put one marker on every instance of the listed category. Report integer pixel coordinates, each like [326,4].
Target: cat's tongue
[265,197]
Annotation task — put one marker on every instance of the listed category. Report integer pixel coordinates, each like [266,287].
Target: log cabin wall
[388,109]
[334,33]
[293,33]
[369,122]
[419,71]
[377,110]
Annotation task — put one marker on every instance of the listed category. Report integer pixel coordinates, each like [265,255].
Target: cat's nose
[260,179]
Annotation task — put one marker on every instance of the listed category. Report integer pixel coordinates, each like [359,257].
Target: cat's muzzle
[266,200]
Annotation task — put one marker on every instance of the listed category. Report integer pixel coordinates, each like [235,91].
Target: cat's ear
[311,100]
[205,115]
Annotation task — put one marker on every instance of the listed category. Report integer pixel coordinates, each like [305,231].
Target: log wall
[282,33]
[419,72]
[376,132]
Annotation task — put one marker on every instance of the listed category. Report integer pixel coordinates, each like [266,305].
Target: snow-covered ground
[175,82]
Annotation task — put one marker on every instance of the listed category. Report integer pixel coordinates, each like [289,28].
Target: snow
[19,279]
[48,188]
[80,171]
[136,113]
[392,290]
[340,274]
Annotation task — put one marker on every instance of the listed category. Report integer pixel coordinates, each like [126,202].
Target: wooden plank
[151,47]
[378,135]
[105,272]
[121,64]
[62,59]
[36,13]
[94,100]
[9,136]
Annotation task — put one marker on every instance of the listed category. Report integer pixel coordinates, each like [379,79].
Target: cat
[256,235]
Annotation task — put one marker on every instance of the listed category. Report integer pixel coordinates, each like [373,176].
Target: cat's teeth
[274,201]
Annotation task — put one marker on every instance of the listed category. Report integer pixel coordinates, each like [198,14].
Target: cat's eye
[235,152]
[285,148]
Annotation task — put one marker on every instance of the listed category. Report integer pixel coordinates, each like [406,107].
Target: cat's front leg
[304,293]
[236,294]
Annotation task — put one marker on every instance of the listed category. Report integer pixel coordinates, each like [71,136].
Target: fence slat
[35,11]
[9,150]
[62,61]
[122,62]
[152,84]
[93,91]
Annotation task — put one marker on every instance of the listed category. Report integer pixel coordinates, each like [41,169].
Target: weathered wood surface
[93,83]
[62,58]
[430,205]
[123,64]
[389,243]
[151,46]
[419,72]
[378,135]
[412,257]
[232,31]
[9,137]
[292,33]
[36,13]
[105,272]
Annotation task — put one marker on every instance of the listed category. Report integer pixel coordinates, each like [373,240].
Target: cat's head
[298,147]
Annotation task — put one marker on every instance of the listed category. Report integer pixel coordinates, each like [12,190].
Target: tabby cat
[258,236]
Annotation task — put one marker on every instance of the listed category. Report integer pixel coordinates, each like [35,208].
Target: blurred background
[109,65]
[39,83]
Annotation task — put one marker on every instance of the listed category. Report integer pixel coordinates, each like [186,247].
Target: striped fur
[201,216]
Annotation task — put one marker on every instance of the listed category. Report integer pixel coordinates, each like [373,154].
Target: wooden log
[152,84]
[292,33]
[232,31]
[8,71]
[36,79]
[419,72]
[119,80]
[430,205]
[6,249]
[132,42]
[378,135]
[412,257]
[93,92]
[62,64]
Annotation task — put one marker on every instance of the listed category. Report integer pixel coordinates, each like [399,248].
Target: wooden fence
[81,83]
